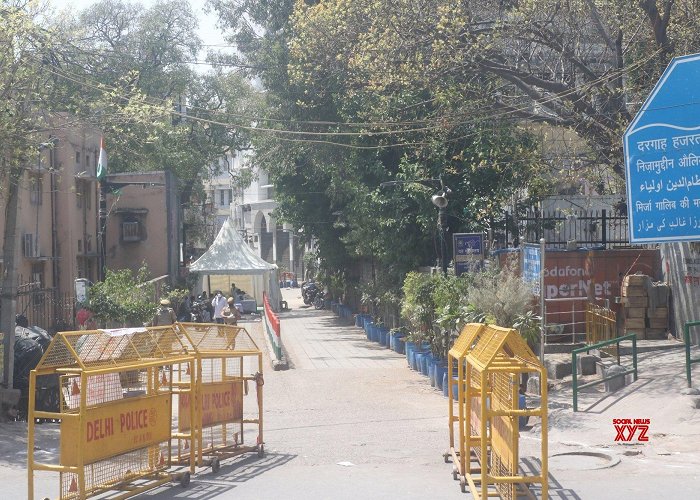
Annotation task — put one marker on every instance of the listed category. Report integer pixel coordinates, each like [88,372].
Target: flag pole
[100,173]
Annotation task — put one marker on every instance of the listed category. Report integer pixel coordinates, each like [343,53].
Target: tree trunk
[8,297]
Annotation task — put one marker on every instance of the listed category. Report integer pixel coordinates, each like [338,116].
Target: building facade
[143,223]
[252,210]
[57,229]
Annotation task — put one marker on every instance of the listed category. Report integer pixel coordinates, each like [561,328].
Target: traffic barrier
[456,364]
[272,328]
[489,361]
[223,355]
[116,391]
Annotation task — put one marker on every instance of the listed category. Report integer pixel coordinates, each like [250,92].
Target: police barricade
[491,381]
[226,360]
[115,389]
[466,429]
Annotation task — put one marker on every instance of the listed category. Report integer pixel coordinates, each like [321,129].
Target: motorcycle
[319,300]
[309,292]
[31,343]
[199,312]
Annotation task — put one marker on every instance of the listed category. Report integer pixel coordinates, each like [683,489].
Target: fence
[272,328]
[46,307]
[574,371]
[224,357]
[116,404]
[586,227]
[688,360]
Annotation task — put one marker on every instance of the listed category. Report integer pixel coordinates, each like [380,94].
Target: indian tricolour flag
[102,162]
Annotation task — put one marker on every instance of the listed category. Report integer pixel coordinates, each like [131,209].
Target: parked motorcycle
[309,292]
[30,344]
[320,300]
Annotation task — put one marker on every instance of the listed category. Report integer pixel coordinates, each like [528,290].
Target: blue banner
[468,251]
[532,266]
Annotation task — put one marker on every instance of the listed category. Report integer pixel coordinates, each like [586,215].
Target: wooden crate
[634,291]
[635,279]
[659,312]
[635,301]
[635,312]
[635,323]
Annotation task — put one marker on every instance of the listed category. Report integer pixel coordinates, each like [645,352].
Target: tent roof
[229,254]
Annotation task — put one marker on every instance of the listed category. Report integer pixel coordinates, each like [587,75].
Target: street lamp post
[439,199]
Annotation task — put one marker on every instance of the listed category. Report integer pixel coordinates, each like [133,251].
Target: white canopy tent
[230,260]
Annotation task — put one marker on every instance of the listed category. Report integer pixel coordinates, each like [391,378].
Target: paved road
[348,420]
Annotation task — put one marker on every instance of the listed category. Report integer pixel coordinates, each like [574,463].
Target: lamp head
[439,199]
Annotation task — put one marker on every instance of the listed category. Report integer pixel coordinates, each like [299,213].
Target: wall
[156,239]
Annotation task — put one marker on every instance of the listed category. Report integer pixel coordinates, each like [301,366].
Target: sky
[208,31]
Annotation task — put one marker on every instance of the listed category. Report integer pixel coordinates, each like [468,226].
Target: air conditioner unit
[30,245]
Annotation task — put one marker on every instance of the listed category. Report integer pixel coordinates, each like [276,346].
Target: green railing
[588,348]
[688,361]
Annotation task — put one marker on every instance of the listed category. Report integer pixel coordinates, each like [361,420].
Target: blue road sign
[662,158]
[468,251]
[532,266]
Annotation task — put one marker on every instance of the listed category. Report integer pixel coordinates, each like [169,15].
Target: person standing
[218,303]
[165,315]
[230,313]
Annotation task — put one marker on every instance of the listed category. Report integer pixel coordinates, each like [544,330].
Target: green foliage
[501,294]
[123,297]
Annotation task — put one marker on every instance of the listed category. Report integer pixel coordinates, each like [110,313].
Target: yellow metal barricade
[226,361]
[456,363]
[489,409]
[115,390]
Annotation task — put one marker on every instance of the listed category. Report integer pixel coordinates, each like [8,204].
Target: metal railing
[574,372]
[688,361]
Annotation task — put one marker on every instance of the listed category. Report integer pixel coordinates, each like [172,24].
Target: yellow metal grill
[489,410]
[228,365]
[115,389]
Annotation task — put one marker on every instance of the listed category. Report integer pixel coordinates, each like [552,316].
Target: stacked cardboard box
[645,307]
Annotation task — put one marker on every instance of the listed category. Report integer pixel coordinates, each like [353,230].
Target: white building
[251,209]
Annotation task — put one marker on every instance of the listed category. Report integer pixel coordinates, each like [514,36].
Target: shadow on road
[207,485]
[532,466]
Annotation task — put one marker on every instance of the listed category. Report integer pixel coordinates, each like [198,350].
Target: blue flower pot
[445,387]
[400,345]
[368,329]
[416,359]
[383,333]
[439,374]
[425,364]
[408,349]
[522,404]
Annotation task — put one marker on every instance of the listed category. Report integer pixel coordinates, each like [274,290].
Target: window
[35,189]
[130,231]
[77,157]
[38,274]
[222,197]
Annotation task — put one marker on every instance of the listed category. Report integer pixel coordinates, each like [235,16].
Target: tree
[340,129]
[24,48]
[128,68]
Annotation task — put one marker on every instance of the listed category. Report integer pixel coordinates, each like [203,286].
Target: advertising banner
[468,251]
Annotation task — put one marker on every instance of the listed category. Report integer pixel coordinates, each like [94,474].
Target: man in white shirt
[218,303]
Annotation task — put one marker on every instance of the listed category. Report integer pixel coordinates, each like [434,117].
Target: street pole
[543,310]
[102,221]
[442,223]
